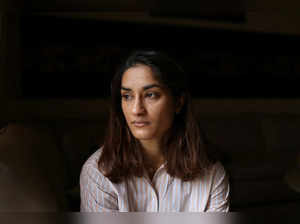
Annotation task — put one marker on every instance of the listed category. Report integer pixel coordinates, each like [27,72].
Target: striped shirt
[163,193]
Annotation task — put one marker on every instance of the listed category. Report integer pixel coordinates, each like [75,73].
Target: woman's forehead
[139,77]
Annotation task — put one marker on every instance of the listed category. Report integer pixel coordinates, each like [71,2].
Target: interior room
[57,61]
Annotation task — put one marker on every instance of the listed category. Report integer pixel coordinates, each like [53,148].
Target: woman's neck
[152,153]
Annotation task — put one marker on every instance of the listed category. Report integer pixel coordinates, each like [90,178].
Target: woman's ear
[180,103]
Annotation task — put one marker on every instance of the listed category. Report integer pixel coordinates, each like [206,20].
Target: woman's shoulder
[218,174]
[216,170]
[92,179]
[90,167]
[94,157]
[219,168]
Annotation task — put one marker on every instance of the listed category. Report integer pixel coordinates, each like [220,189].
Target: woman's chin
[143,136]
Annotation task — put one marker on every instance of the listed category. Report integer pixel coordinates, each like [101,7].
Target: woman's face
[147,105]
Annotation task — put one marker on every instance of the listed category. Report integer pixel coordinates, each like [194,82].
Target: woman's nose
[138,107]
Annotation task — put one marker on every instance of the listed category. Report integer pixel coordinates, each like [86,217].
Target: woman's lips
[140,124]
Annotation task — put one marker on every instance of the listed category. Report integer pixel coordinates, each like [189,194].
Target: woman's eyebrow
[145,87]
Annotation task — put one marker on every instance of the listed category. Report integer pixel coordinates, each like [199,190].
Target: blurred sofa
[41,160]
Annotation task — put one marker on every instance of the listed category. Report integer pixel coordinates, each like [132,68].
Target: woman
[153,158]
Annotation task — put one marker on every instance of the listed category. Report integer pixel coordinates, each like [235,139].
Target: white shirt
[164,193]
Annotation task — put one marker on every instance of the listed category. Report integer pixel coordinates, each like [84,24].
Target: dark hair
[184,147]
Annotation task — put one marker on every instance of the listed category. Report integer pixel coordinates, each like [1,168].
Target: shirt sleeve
[219,196]
[96,193]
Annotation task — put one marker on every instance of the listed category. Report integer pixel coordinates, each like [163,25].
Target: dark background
[76,58]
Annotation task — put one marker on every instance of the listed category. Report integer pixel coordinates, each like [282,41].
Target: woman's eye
[151,95]
[126,96]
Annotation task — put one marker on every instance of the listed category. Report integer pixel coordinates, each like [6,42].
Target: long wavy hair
[184,148]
